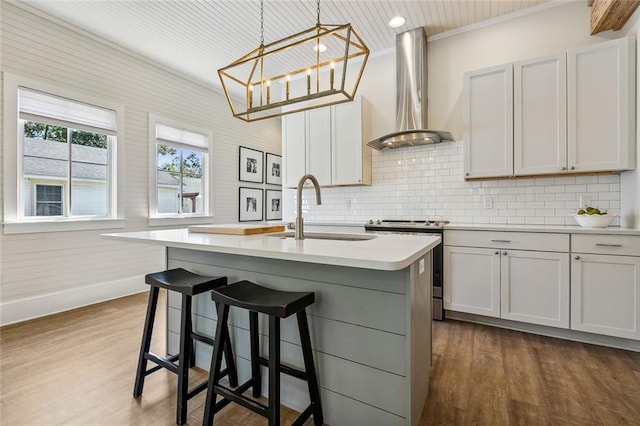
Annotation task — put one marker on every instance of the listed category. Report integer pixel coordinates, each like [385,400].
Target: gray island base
[370,331]
[370,324]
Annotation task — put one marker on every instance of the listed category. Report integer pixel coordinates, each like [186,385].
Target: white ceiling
[197,37]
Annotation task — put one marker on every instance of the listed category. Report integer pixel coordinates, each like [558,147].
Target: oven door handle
[500,241]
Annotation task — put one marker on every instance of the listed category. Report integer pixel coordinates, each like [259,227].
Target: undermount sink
[324,236]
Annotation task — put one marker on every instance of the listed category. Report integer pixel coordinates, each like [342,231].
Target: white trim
[180,221]
[499,19]
[61,225]
[47,304]
[12,155]
[156,219]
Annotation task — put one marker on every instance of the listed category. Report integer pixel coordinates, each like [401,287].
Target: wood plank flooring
[77,368]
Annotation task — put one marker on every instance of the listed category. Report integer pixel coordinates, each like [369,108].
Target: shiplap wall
[49,272]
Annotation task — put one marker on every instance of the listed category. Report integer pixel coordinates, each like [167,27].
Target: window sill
[179,220]
[61,225]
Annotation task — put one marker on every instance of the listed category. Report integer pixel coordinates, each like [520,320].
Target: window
[48,200]
[180,158]
[60,159]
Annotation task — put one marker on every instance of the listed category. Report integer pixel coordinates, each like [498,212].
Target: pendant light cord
[318,22]
[262,22]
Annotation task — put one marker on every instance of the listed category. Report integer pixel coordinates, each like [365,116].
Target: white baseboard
[51,303]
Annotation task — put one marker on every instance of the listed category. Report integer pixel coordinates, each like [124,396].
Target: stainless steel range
[432,227]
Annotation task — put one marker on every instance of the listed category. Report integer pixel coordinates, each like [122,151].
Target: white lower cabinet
[472,280]
[605,295]
[499,280]
[535,287]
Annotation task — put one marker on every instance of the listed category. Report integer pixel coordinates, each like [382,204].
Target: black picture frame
[273,204]
[273,169]
[250,165]
[250,205]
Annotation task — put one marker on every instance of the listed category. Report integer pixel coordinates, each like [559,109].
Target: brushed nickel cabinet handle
[497,252]
[564,168]
[500,241]
[573,167]
[577,258]
[504,253]
[608,245]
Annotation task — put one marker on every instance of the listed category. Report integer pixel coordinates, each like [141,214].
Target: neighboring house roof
[49,158]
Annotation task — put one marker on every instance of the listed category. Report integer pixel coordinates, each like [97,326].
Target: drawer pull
[500,241]
[497,252]
[577,258]
[504,252]
[608,245]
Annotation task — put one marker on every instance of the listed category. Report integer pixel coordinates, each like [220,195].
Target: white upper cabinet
[318,150]
[601,106]
[328,143]
[568,113]
[294,148]
[488,122]
[540,116]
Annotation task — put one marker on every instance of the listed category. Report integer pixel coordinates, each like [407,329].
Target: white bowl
[594,220]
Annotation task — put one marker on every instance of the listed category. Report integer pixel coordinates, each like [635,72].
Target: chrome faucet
[299,221]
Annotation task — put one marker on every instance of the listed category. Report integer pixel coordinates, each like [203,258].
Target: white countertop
[566,229]
[384,252]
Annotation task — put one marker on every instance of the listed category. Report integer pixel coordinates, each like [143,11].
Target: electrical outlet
[487,202]
[584,201]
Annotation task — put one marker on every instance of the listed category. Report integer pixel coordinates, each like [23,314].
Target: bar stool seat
[276,304]
[188,284]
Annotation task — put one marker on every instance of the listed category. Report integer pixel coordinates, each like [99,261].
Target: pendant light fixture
[303,71]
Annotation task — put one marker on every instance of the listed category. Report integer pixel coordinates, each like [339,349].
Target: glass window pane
[168,158]
[192,194]
[89,174]
[45,157]
[168,192]
[192,162]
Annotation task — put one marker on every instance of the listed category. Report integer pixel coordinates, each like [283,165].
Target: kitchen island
[370,325]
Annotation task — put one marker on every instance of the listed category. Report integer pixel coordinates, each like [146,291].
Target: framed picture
[273,171]
[250,204]
[250,165]
[273,204]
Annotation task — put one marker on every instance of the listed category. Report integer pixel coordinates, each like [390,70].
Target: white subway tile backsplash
[427,183]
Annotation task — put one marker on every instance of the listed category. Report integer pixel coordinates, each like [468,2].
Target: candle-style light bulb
[308,81]
[268,91]
[287,86]
[331,73]
[250,97]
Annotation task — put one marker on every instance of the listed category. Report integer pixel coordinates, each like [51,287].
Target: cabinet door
[535,287]
[347,143]
[601,106]
[319,144]
[540,116]
[605,295]
[293,140]
[472,280]
[488,122]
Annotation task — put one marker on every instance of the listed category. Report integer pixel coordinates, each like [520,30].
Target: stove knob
[370,221]
[436,223]
[378,222]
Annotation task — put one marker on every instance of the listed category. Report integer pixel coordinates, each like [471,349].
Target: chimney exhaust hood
[411,96]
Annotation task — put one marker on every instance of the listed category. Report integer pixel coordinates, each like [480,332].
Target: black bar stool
[189,285]
[276,304]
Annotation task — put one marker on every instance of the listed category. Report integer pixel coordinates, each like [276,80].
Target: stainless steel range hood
[411,96]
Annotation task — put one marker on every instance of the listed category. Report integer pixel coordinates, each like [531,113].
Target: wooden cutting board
[236,229]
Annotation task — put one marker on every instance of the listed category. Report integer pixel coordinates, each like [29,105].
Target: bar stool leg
[254,336]
[228,358]
[184,360]
[146,341]
[222,334]
[309,366]
[273,413]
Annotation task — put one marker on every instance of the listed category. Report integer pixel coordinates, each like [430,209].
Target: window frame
[14,220]
[162,219]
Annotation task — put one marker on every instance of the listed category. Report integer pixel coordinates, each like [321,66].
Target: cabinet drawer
[628,245]
[508,240]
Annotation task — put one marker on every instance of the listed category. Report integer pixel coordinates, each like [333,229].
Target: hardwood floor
[77,368]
